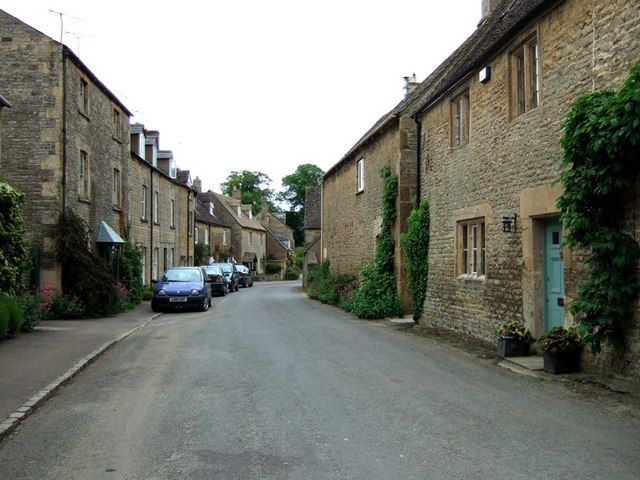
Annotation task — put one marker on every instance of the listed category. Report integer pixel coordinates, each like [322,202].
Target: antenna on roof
[78,36]
[61,14]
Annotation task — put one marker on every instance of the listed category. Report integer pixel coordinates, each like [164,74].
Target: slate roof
[231,204]
[507,18]
[312,200]
[281,238]
[204,216]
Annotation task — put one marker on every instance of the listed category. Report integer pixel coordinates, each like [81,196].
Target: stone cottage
[65,141]
[155,193]
[489,121]
[312,231]
[279,237]
[210,228]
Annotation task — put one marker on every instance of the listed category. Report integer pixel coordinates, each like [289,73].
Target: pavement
[270,384]
[35,365]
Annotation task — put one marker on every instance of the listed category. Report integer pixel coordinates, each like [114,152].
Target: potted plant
[561,348]
[514,339]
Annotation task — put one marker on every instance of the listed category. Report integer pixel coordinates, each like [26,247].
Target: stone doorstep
[530,362]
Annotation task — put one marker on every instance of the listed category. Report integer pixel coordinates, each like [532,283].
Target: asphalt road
[268,384]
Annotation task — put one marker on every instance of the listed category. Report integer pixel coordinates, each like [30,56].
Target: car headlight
[161,293]
[195,292]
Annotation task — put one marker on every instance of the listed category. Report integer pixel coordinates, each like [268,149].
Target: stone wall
[510,163]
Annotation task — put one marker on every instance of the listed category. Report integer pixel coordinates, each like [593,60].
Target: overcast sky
[260,84]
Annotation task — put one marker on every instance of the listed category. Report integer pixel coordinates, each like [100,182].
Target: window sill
[116,208]
[454,148]
[156,223]
[172,227]
[470,277]
[360,191]
[84,115]
[84,200]
[517,117]
[144,220]
[116,139]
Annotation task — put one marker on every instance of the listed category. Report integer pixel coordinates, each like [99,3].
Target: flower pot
[565,362]
[512,347]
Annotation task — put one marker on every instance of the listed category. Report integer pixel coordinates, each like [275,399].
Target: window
[116,189]
[143,203]
[143,264]
[117,124]
[206,236]
[173,257]
[460,120]
[156,254]
[83,100]
[250,214]
[224,237]
[525,77]
[156,201]
[211,208]
[239,209]
[250,238]
[172,213]
[84,179]
[360,166]
[471,247]
[196,233]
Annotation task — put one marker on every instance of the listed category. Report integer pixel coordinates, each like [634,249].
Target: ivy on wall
[601,164]
[415,242]
[14,256]
[377,294]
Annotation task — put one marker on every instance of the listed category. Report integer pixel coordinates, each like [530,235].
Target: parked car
[245,276]
[231,274]
[182,287]
[219,284]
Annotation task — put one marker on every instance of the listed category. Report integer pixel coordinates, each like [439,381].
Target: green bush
[4,320]
[15,313]
[291,273]
[14,253]
[272,266]
[65,307]
[416,248]
[328,288]
[148,293]
[201,254]
[376,295]
[130,258]
[32,311]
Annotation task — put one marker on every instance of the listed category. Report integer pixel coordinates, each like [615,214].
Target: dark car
[245,276]
[219,284]
[182,287]
[231,274]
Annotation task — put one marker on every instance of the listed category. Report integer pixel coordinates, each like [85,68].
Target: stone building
[65,141]
[210,229]
[351,195]
[248,236]
[4,103]
[279,237]
[312,231]
[489,120]
[156,224]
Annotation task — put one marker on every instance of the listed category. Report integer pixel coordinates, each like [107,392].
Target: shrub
[4,320]
[291,273]
[560,340]
[376,296]
[32,311]
[130,258]
[85,275]
[328,288]
[272,266]
[201,254]
[14,253]
[15,313]
[147,294]
[65,307]
[415,242]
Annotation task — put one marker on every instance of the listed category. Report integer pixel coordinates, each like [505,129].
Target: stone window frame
[156,207]
[196,233]
[83,97]
[84,176]
[250,239]
[172,213]
[117,125]
[206,236]
[459,120]
[211,208]
[224,237]
[116,188]
[471,248]
[525,76]
[143,203]
[155,263]
[360,175]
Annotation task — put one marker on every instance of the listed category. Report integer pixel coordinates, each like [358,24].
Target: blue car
[182,287]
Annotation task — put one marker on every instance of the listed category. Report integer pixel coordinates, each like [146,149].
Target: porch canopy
[106,234]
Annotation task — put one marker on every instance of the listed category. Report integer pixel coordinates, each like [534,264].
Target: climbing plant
[415,242]
[14,256]
[377,292]
[600,165]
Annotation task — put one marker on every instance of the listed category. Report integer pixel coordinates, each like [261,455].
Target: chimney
[197,184]
[410,84]
[488,6]
[237,194]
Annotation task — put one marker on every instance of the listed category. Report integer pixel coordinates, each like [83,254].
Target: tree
[295,185]
[254,186]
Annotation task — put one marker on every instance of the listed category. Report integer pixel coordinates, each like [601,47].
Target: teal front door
[553,276]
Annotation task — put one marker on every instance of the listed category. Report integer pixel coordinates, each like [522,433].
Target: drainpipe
[418,154]
[188,222]
[151,194]
[64,130]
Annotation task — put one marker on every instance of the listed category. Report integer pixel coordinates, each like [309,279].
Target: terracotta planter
[565,362]
[512,347]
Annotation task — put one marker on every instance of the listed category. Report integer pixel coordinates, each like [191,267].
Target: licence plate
[177,299]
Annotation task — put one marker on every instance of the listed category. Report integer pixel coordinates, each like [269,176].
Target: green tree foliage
[415,242]
[295,220]
[601,143]
[130,258]
[377,294]
[14,313]
[201,254]
[85,275]
[254,186]
[14,254]
[295,185]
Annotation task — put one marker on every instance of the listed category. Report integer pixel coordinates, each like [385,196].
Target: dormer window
[211,208]
[141,144]
[250,215]
[239,211]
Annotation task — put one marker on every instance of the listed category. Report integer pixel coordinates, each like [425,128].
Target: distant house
[211,229]
[65,141]
[312,231]
[156,197]
[280,242]
[248,236]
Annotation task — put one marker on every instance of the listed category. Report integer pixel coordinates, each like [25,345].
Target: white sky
[260,84]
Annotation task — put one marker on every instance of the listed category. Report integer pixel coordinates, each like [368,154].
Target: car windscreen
[182,275]
[227,267]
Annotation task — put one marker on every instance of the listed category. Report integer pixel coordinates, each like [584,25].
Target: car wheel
[205,305]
